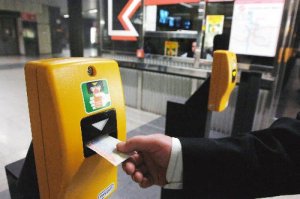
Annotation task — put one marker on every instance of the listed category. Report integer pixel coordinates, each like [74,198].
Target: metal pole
[75,28]
[101,23]
[288,25]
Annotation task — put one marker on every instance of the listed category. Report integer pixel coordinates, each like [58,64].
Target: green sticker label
[95,95]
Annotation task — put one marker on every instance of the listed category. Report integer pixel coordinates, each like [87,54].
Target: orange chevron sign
[129,33]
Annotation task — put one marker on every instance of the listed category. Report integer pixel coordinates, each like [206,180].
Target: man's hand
[149,162]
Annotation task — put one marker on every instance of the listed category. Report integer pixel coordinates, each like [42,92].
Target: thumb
[137,143]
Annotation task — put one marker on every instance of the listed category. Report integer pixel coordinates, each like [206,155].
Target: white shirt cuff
[175,167]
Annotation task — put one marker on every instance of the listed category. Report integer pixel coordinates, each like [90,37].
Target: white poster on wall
[255,27]
[214,26]
[150,18]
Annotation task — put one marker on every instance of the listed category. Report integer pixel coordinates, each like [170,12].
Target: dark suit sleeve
[256,164]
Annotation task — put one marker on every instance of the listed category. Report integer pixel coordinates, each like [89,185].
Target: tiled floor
[14,123]
[15,134]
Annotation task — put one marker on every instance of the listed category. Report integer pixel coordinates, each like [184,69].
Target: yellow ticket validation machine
[67,97]
[223,79]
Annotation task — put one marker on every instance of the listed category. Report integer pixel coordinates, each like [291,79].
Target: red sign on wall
[258,1]
[167,2]
[26,16]
[212,1]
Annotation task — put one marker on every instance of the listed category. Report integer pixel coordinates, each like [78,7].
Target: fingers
[137,143]
[143,180]
[137,177]
[137,158]
[136,174]
[138,171]
[150,153]
[129,168]
[146,182]
[139,174]
[132,163]
[150,143]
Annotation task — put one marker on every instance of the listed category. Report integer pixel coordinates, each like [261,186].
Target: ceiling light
[93,11]
[186,5]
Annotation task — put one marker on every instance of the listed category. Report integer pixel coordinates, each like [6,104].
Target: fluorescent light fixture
[93,34]
[66,16]
[93,11]
[186,5]
[201,10]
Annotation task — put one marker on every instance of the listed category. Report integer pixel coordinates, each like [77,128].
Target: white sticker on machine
[108,190]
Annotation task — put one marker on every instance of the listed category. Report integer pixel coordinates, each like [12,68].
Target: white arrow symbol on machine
[100,125]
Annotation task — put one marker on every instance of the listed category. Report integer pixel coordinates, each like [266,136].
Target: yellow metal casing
[56,107]
[223,79]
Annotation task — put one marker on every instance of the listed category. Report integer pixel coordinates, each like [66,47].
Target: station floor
[15,133]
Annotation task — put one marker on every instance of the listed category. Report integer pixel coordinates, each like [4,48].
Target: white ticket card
[105,146]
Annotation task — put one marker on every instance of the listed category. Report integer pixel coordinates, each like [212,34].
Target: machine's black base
[22,178]
[246,103]
[13,172]
[187,120]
